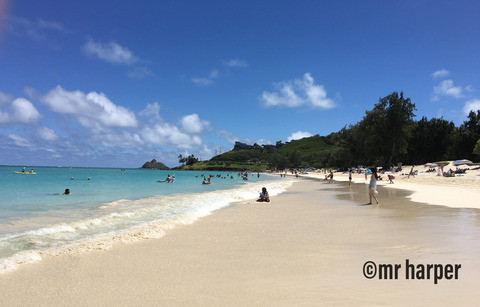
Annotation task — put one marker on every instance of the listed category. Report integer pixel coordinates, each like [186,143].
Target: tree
[181,159]
[190,160]
[476,150]
[430,140]
[388,127]
[468,135]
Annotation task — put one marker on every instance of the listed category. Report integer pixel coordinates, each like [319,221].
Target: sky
[118,83]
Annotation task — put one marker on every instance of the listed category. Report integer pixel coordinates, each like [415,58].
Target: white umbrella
[461,162]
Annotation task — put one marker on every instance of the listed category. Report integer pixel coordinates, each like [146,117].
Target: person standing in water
[372,188]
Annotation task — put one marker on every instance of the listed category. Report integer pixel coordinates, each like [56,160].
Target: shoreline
[305,247]
[456,192]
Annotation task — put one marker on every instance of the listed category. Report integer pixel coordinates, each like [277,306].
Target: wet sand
[307,247]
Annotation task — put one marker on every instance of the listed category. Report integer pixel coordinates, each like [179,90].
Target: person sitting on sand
[264,196]
[67,192]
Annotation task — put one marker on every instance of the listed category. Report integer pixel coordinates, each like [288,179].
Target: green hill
[311,152]
[155,164]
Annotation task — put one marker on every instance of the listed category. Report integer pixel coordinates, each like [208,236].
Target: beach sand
[307,247]
[461,191]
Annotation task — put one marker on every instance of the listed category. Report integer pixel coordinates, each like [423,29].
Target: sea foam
[124,221]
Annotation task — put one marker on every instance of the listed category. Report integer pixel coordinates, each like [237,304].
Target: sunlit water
[107,206]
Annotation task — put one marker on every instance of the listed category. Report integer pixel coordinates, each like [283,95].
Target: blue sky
[118,83]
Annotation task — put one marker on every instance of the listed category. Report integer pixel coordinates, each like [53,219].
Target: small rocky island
[155,164]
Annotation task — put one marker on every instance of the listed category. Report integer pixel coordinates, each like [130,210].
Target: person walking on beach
[349,177]
[372,188]
[412,173]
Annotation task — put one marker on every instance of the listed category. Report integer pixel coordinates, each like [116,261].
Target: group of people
[169,179]
[30,171]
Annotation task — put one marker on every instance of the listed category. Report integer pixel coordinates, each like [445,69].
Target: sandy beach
[307,247]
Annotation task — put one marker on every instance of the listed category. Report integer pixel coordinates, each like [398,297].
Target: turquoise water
[106,206]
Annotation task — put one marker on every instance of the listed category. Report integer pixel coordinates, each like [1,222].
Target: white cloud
[471,105]
[235,63]
[169,135]
[297,93]
[214,74]
[140,72]
[123,140]
[206,81]
[193,124]
[299,135]
[442,73]
[227,135]
[263,142]
[47,134]
[92,110]
[20,111]
[446,88]
[202,81]
[19,141]
[36,30]
[110,52]
[152,111]
[5,98]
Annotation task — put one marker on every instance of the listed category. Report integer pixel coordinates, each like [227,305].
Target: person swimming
[67,192]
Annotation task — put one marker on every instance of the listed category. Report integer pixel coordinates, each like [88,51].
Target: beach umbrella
[461,162]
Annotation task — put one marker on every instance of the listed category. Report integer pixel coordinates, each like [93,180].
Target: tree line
[387,135]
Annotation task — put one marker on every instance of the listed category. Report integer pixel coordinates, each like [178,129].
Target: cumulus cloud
[299,135]
[169,135]
[47,134]
[92,110]
[19,111]
[235,63]
[471,105]
[446,88]
[297,93]
[110,52]
[442,73]
[193,124]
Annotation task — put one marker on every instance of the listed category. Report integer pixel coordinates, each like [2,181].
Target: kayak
[28,173]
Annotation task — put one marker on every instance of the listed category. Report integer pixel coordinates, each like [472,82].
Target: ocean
[106,206]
